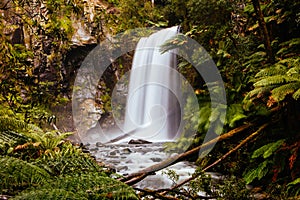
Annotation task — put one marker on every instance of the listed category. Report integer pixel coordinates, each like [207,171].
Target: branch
[136,177]
[250,137]
[156,194]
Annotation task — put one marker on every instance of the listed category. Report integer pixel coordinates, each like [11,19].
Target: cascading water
[153,107]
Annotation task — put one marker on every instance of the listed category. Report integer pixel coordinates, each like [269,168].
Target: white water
[153,97]
[152,113]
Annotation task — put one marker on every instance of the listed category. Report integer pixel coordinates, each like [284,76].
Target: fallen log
[138,176]
[243,142]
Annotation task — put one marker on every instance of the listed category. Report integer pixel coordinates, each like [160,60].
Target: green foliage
[16,174]
[67,159]
[233,188]
[230,33]
[293,187]
[38,165]
[49,194]
[267,150]
[228,187]
[172,175]
[88,186]
[235,113]
[259,172]
[278,81]
[132,14]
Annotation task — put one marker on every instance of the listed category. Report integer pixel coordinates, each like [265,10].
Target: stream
[130,158]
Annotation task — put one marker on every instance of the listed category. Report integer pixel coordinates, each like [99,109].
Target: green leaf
[258,172]
[267,150]
[296,94]
[295,182]
[234,114]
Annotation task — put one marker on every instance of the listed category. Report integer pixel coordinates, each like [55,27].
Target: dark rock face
[139,141]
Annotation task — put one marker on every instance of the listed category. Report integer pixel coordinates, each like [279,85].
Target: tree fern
[278,81]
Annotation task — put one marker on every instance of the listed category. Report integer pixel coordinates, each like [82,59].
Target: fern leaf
[294,71]
[259,92]
[296,94]
[294,62]
[293,187]
[234,114]
[10,123]
[258,172]
[292,42]
[92,186]
[45,194]
[11,137]
[16,173]
[267,150]
[278,69]
[275,80]
[281,92]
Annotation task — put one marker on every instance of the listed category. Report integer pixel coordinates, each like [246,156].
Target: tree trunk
[264,30]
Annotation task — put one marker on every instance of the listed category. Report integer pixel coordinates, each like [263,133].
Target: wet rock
[139,141]
[113,153]
[87,145]
[123,168]
[85,151]
[156,159]
[112,156]
[99,144]
[126,151]
[94,149]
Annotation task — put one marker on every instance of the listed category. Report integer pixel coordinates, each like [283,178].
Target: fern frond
[45,194]
[235,113]
[278,69]
[259,92]
[16,173]
[11,123]
[296,94]
[92,186]
[292,42]
[281,92]
[294,71]
[275,80]
[11,137]
[69,160]
[49,140]
[290,62]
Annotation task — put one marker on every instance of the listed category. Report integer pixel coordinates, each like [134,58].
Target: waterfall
[153,99]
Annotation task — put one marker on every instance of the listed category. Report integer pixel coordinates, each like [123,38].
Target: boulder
[139,141]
